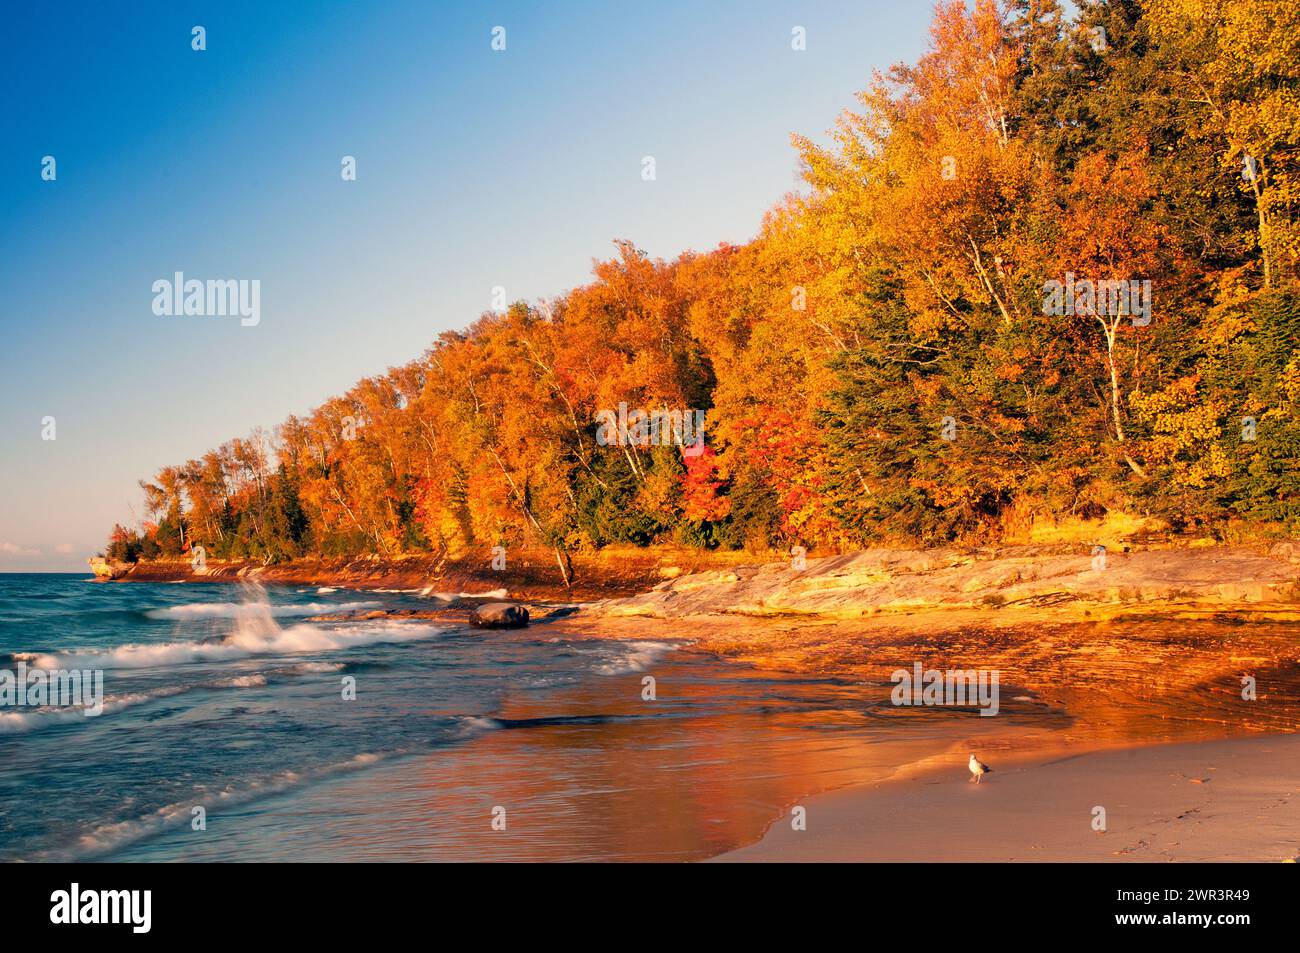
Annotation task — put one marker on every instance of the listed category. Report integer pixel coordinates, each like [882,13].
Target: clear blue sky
[475,168]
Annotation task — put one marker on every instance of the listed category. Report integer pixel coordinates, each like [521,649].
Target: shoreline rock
[106,571]
[1066,579]
[531,575]
[499,615]
[1186,580]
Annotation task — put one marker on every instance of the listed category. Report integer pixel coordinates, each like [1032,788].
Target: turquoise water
[226,698]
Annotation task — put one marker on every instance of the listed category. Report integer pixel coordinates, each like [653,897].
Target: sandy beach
[1227,800]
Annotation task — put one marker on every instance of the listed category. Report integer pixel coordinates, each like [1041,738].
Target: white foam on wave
[242,643]
[325,589]
[138,655]
[114,836]
[242,681]
[12,722]
[46,717]
[308,667]
[635,657]
[236,610]
[256,632]
[449,596]
[476,723]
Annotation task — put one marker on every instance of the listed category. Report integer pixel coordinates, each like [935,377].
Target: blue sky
[475,168]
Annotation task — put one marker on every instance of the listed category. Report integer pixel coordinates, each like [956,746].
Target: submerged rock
[499,615]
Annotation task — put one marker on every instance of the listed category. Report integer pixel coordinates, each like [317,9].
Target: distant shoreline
[529,574]
[1062,580]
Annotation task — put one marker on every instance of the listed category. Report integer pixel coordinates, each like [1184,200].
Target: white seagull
[978,767]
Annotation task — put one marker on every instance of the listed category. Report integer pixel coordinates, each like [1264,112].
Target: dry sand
[1227,800]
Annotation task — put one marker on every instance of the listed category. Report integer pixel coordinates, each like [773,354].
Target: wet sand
[1227,800]
[1112,682]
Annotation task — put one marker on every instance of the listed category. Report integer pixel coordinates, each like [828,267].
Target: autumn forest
[889,360]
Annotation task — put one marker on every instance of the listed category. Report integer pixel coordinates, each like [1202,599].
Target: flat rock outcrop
[879,581]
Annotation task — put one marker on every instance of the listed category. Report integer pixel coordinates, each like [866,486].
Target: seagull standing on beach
[978,767]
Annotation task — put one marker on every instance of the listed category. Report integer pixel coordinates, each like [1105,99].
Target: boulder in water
[499,615]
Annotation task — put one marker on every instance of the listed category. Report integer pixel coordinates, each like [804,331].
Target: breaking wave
[237,610]
[634,657]
[37,718]
[117,834]
[451,596]
[304,637]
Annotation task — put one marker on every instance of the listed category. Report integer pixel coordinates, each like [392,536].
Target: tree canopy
[879,364]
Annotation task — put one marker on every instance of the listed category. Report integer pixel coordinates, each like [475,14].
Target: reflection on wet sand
[1120,681]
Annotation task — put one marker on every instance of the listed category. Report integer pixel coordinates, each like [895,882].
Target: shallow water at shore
[1122,681]
[592,772]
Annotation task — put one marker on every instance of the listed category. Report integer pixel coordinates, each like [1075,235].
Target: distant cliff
[106,570]
[531,573]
